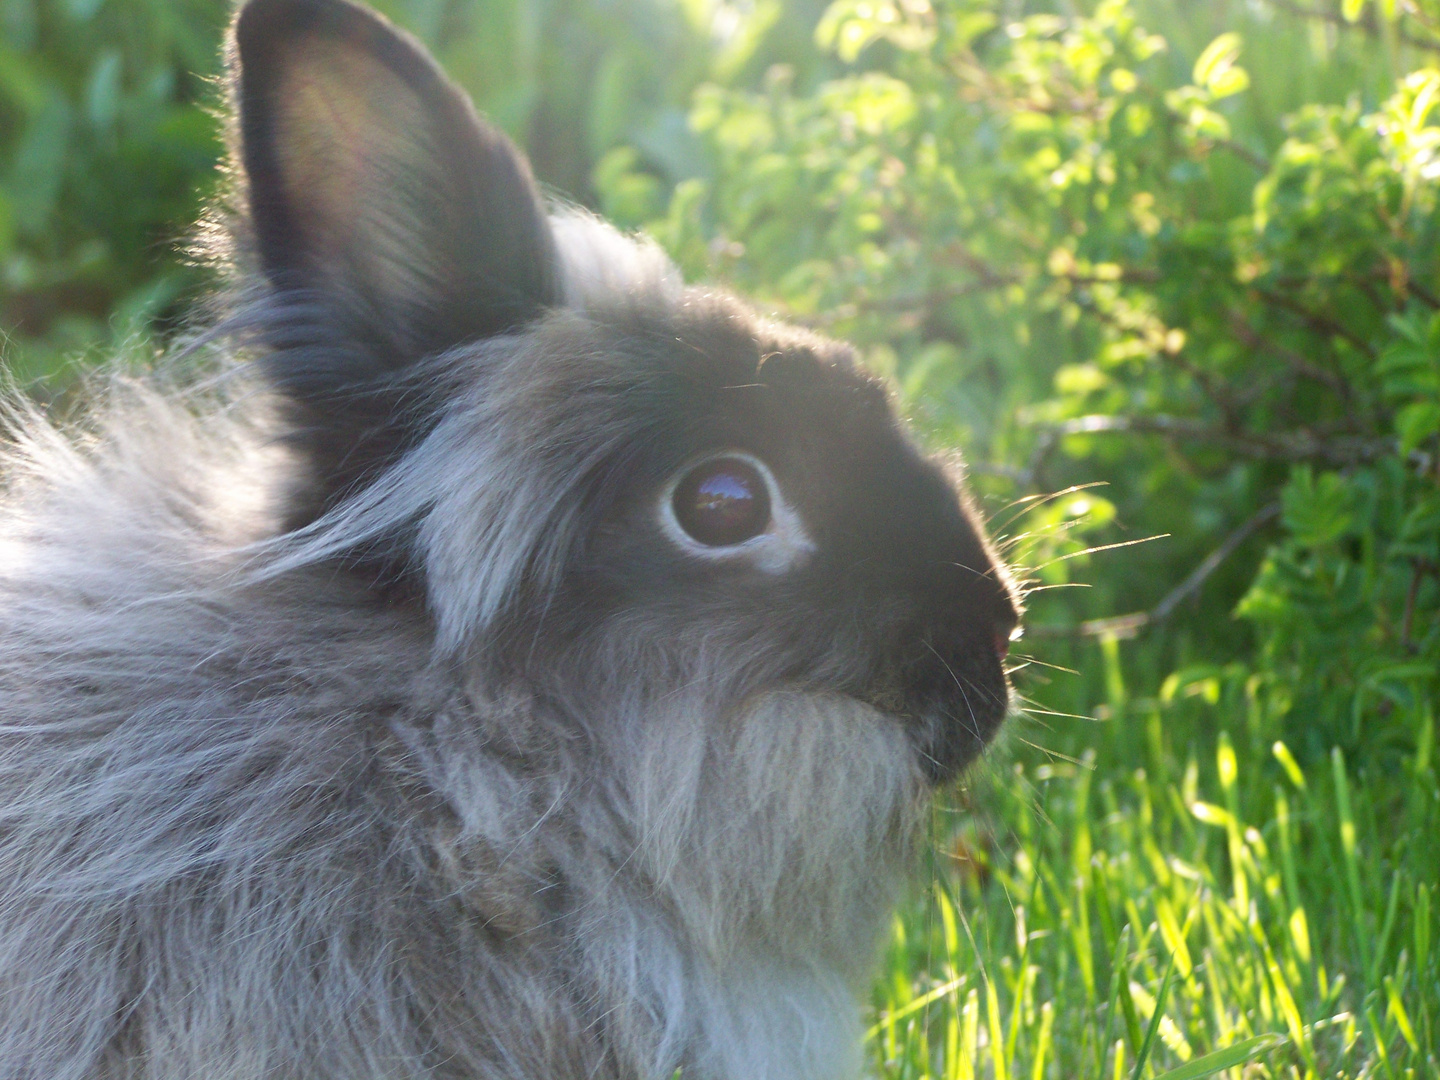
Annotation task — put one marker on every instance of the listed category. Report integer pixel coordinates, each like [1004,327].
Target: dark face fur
[863,572]
[892,597]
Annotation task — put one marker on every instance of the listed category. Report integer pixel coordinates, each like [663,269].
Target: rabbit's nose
[1002,644]
[1006,611]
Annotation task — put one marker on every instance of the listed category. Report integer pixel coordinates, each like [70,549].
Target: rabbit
[502,661]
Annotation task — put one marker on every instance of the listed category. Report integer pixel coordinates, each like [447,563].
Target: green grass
[1176,903]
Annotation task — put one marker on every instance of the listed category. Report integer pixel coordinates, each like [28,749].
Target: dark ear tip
[258,19]
[260,22]
[268,30]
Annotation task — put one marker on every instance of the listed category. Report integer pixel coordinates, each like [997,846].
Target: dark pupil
[722,502]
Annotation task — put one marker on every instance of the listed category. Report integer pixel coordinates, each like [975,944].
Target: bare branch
[1294,446]
[1124,626]
[1366,22]
[1255,160]
[1420,568]
[1301,365]
[1316,321]
[1424,295]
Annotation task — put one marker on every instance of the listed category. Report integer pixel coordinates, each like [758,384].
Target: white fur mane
[601,265]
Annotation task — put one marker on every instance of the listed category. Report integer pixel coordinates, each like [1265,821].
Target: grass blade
[915,1005]
[1042,1045]
[1228,1058]
[1118,971]
[997,1043]
[1352,862]
[1155,1018]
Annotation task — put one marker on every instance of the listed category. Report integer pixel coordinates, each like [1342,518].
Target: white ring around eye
[783,545]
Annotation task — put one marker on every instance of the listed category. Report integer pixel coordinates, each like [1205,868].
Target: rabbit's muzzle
[956,699]
[942,663]
[953,696]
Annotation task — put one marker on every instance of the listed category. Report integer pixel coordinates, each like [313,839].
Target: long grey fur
[254,824]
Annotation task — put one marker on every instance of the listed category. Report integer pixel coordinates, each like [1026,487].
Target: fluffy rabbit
[525,666]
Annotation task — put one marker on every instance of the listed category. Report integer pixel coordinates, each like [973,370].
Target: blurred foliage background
[1160,269]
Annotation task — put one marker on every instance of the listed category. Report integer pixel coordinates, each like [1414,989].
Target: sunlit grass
[1290,905]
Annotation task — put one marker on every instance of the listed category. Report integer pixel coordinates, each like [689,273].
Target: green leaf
[1316,511]
[1155,1017]
[1218,58]
[1421,523]
[1230,81]
[848,27]
[38,168]
[1406,368]
[102,95]
[82,11]
[7,225]
[1351,9]
[1220,1060]
[1416,422]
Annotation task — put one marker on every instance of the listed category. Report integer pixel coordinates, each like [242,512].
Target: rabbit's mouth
[952,703]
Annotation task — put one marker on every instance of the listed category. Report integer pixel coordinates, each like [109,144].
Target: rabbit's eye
[722,502]
[730,507]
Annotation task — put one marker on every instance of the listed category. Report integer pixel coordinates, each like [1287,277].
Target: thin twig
[1419,570]
[1316,321]
[1424,295]
[1301,365]
[1123,626]
[1145,275]
[1295,446]
[1366,23]
[1255,160]
[1216,391]
[1212,562]
[1407,623]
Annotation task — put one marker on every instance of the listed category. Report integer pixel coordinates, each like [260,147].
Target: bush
[105,154]
[108,138]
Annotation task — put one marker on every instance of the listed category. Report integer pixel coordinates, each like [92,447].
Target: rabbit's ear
[372,182]
[391,222]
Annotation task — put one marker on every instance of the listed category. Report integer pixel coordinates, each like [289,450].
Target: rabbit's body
[254,829]
[233,842]
[382,726]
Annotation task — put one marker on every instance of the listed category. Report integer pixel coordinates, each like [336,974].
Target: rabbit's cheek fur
[894,597]
[379,724]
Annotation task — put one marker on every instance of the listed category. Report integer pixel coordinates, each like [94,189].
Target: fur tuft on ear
[391,222]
